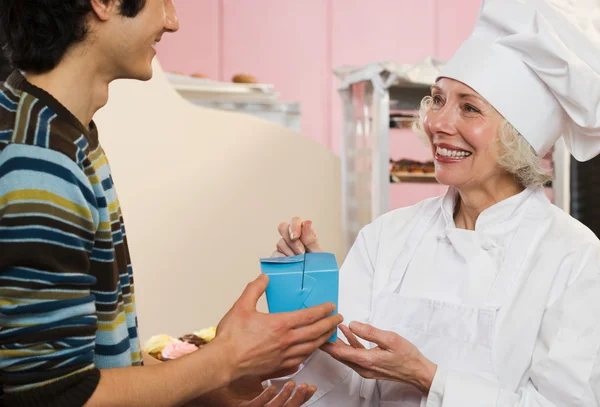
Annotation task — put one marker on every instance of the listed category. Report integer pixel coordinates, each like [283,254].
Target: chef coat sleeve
[565,368]
[356,281]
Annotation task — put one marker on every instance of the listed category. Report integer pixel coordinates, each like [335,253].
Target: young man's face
[128,44]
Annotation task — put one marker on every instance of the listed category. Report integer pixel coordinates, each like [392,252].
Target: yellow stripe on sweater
[40,195]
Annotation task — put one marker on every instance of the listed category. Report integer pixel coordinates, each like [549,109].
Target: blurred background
[260,110]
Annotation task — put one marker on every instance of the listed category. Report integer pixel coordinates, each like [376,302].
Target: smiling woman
[511,150]
[488,295]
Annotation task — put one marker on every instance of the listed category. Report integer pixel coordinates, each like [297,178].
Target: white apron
[455,336]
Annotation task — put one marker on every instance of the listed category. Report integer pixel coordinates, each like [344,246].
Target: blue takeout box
[301,282]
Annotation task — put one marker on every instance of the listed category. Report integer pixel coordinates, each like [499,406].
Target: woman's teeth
[452,153]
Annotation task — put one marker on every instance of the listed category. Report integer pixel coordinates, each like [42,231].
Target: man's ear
[104,9]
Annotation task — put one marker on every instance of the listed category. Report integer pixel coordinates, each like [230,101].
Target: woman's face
[462,128]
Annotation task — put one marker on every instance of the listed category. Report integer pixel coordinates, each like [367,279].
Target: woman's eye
[471,109]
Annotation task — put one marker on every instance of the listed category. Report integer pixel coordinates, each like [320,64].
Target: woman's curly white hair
[515,154]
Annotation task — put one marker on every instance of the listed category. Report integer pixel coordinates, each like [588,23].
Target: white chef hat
[538,63]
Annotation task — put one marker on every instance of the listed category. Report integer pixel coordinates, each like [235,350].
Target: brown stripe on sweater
[48,336]
[42,208]
[37,221]
[20,132]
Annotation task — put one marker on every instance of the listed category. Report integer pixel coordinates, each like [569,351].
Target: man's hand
[297,237]
[286,398]
[248,392]
[257,344]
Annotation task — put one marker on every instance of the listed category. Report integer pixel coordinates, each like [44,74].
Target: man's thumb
[254,291]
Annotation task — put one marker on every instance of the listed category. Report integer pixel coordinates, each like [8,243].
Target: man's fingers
[293,362]
[306,349]
[254,291]
[352,339]
[317,329]
[303,393]
[264,398]
[281,373]
[283,395]
[308,316]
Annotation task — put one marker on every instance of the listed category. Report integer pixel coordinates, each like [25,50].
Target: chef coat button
[487,245]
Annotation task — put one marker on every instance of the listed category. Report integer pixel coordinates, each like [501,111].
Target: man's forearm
[165,384]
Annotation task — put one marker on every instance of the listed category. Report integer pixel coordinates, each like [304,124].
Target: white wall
[202,193]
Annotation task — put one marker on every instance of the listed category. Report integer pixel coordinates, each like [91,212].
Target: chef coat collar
[496,215]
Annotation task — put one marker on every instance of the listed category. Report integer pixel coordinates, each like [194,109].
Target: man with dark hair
[68,325]
[5,68]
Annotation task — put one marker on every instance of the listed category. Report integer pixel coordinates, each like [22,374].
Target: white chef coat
[510,312]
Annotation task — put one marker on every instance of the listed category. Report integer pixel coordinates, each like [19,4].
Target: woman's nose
[441,120]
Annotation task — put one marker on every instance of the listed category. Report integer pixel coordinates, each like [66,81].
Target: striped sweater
[66,285]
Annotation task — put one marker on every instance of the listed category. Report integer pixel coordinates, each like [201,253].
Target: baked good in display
[198,75]
[410,167]
[165,347]
[244,78]
[429,167]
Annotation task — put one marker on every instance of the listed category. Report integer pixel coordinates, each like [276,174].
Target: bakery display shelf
[425,178]
[403,119]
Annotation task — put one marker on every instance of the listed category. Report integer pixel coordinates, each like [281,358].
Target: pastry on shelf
[412,171]
[429,167]
[405,166]
[401,166]
[402,119]
[199,75]
[244,78]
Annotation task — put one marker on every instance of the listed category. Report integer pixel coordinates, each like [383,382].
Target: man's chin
[139,75]
[145,76]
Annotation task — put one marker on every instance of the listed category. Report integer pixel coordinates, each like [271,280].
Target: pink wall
[196,47]
[295,44]
[282,42]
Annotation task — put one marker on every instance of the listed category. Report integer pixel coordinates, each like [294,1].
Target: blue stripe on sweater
[42,131]
[8,104]
[86,321]
[41,234]
[35,164]
[62,314]
[5,136]
[45,307]
[113,350]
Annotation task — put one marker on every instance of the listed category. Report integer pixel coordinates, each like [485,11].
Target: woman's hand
[394,358]
[297,237]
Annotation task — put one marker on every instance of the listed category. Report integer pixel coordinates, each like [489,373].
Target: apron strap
[400,265]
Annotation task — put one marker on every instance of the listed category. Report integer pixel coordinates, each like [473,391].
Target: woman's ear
[104,9]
